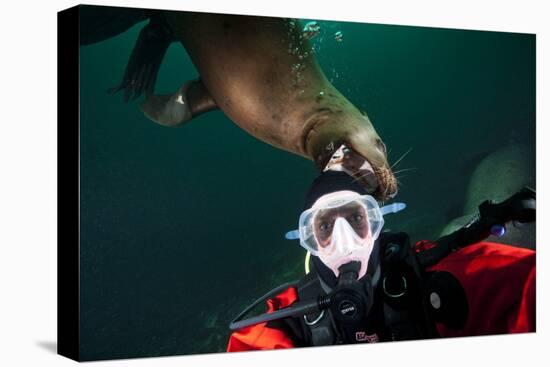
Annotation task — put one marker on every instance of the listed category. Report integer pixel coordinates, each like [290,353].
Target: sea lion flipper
[190,100]
[144,62]
[168,110]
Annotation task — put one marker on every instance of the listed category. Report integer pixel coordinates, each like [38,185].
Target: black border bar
[68,184]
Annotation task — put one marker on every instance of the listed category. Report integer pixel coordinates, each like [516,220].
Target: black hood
[331,181]
[325,183]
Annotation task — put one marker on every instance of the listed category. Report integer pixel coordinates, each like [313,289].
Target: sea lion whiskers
[399,183]
[401,158]
[361,176]
[387,177]
[405,170]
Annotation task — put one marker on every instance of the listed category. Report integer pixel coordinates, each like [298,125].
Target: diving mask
[341,227]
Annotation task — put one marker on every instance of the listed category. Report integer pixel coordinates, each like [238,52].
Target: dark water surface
[181,228]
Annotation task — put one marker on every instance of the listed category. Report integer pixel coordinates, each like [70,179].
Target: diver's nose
[342,237]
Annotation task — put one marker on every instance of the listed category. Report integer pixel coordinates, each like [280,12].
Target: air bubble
[311,29]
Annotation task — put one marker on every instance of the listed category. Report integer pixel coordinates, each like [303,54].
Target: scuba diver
[368,286]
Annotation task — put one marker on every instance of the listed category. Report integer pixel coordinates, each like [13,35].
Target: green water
[181,228]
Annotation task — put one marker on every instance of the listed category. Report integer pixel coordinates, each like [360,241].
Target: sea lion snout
[364,157]
[373,150]
[369,166]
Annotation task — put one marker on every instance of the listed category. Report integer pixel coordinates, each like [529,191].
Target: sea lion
[262,73]
[499,175]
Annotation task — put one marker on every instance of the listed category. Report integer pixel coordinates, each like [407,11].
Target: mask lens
[357,217]
[341,227]
[353,212]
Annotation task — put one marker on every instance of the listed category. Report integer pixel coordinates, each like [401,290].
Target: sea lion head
[364,155]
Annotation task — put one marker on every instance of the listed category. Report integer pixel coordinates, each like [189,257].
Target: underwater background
[181,228]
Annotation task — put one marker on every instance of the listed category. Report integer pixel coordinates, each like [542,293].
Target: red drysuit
[499,282]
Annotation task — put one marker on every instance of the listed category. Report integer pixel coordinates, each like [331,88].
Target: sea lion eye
[381,146]
[324,227]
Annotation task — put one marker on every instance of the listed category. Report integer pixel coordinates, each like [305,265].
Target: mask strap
[392,208]
[292,235]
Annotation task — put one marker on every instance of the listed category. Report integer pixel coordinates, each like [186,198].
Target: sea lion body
[264,76]
[241,64]
[262,73]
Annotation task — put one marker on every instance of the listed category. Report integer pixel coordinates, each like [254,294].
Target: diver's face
[343,230]
[354,213]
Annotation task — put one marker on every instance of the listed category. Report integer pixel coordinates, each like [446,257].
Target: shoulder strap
[316,328]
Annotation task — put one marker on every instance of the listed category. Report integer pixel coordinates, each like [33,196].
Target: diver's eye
[357,218]
[324,227]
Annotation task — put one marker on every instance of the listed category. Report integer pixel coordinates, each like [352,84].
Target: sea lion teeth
[346,160]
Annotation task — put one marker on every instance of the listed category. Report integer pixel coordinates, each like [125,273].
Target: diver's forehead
[335,196]
[351,208]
